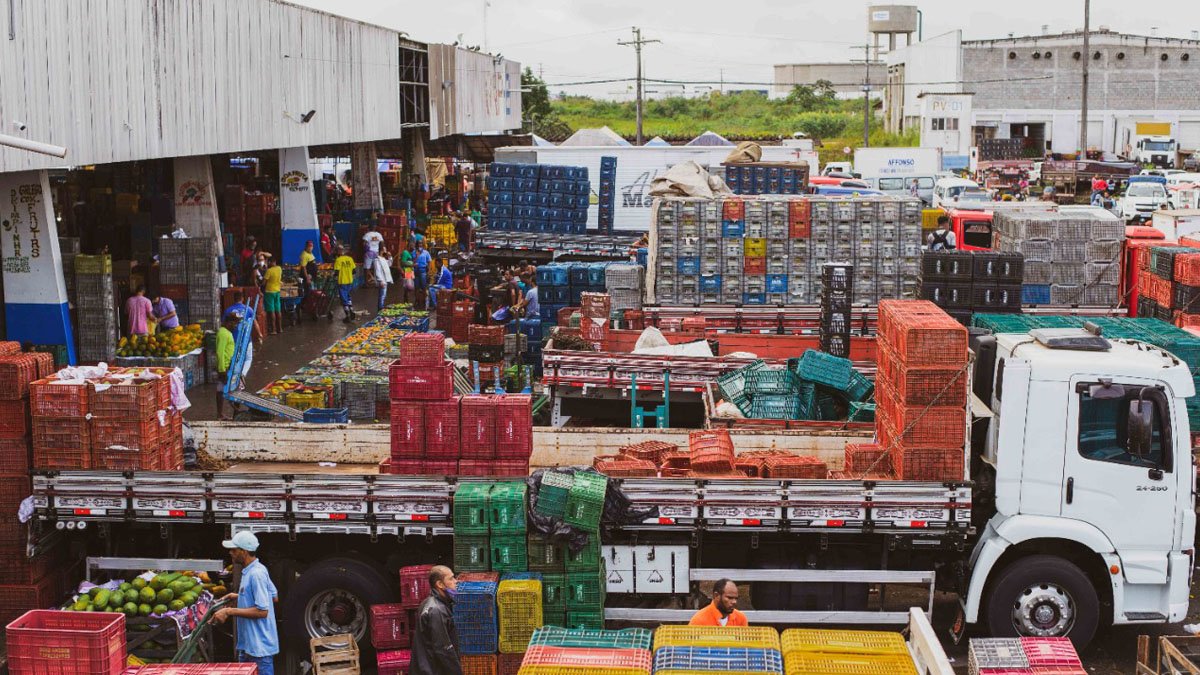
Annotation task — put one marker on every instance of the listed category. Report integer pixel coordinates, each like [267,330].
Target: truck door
[1130,497]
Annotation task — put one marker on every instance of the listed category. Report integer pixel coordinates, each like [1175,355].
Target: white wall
[121,80]
[933,65]
[1106,128]
[472,93]
[947,106]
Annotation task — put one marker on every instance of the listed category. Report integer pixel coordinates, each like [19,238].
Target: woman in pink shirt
[140,311]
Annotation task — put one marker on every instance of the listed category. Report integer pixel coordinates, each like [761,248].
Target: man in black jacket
[435,645]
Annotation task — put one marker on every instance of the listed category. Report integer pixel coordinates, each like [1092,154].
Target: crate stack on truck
[1069,258]
[538,198]
[767,178]
[768,250]
[965,282]
[1169,282]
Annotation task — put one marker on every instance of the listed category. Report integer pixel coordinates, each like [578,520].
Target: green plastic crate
[509,554]
[506,507]
[554,591]
[831,371]
[587,589]
[592,619]
[861,412]
[859,388]
[770,381]
[553,493]
[587,559]
[471,553]
[554,616]
[827,406]
[585,501]
[629,638]
[544,556]
[775,407]
[471,508]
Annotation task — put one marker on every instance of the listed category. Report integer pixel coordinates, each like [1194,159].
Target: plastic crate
[585,559]
[929,464]
[814,663]
[443,429]
[53,397]
[587,589]
[407,429]
[770,381]
[842,642]
[1050,652]
[16,372]
[14,459]
[14,419]
[774,407]
[124,401]
[62,443]
[721,659]
[470,509]
[755,637]
[472,553]
[143,434]
[801,467]
[423,349]
[649,450]
[475,617]
[514,427]
[508,553]
[629,638]
[414,585]
[506,508]
[864,458]
[996,653]
[587,619]
[478,423]
[509,664]
[478,664]
[327,415]
[553,493]
[585,501]
[543,555]
[921,334]
[391,627]
[519,607]
[589,661]
[392,662]
[711,451]
[834,372]
[82,643]
[421,383]
[554,595]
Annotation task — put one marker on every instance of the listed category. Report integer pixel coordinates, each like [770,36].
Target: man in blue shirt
[445,280]
[421,268]
[530,305]
[240,307]
[257,634]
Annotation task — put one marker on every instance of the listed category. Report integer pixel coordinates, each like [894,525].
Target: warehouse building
[1029,87]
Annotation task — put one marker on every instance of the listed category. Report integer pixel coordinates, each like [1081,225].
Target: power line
[637,43]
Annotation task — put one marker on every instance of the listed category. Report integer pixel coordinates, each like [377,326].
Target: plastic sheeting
[618,510]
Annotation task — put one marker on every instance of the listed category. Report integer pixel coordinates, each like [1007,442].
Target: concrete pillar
[35,293]
[196,200]
[364,169]
[297,205]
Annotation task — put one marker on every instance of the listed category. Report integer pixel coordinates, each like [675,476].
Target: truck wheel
[333,596]
[1044,596]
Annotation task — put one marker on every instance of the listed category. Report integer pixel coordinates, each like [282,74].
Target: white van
[947,191]
[900,186]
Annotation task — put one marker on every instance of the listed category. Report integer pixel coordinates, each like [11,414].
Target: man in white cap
[257,634]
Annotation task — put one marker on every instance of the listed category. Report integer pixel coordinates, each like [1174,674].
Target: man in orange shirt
[723,610]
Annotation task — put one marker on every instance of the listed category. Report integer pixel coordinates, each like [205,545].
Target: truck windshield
[1153,190]
[1158,145]
[1103,425]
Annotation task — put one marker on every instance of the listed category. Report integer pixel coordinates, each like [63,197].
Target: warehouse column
[35,293]
[364,171]
[195,200]
[297,205]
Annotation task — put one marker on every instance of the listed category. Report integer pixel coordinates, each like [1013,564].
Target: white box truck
[892,170]
[1176,223]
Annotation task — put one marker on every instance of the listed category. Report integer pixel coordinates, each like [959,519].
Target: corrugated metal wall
[119,80]
[484,94]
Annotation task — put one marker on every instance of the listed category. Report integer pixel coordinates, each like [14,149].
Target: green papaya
[159,609]
[101,599]
[147,595]
[125,586]
[176,605]
[165,596]
[81,604]
[94,591]
[130,609]
[144,609]
[158,582]
[131,595]
[90,608]
[138,583]
[116,599]
[188,598]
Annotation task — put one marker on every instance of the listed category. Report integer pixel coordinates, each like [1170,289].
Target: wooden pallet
[334,655]
[1176,654]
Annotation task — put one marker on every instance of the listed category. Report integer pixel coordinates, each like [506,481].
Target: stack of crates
[837,294]
[554,290]
[586,579]
[486,345]
[1073,258]
[489,527]
[421,385]
[1034,656]
[538,198]
[190,277]
[606,208]
[594,312]
[624,284]
[695,649]
[600,657]
[133,426]
[767,178]
[808,651]
[965,282]
[475,619]
[921,390]
[95,309]
[68,247]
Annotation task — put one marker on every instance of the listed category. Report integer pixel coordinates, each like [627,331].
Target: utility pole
[637,43]
[722,80]
[866,89]
[1083,102]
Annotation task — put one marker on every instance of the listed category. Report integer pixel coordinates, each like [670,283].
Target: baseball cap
[243,540]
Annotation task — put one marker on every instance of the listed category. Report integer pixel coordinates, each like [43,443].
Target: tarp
[710,138]
[657,142]
[747,151]
[596,137]
[688,179]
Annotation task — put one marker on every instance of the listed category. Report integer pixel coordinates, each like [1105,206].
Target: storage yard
[392,384]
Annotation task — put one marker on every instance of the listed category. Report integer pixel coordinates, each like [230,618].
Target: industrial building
[1029,87]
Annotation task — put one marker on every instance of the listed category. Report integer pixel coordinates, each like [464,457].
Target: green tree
[535,100]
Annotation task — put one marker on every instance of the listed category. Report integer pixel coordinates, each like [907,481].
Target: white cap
[243,540]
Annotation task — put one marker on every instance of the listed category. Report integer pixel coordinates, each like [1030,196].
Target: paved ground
[1113,651]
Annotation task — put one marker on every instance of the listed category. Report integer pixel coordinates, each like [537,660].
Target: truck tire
[1043,596]
[334,596]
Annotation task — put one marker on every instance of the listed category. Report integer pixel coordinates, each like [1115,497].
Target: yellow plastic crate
[812,663]
[573,670]
[929,219]
[442,233]
[842,642]
[519,610]
[672,671]
[754,247]
[754,637]
[305,400]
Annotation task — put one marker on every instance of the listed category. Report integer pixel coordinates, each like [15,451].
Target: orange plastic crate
[936,464]
[863,458]
[58,398]
[711,451]
[795,466]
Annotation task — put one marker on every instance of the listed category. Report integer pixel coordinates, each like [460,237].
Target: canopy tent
[595,137]
[709,138]
[657,142]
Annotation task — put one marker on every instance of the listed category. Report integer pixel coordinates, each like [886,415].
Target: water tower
[892,20]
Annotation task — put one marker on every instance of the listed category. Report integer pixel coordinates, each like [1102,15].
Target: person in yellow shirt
[272,283]
[344,266]
[308,268]
[225,348]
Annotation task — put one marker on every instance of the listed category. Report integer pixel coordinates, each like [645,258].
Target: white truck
[1076,509]
[1161,151]
[882,162]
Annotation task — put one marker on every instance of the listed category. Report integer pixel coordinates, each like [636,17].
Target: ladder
[661,414]
[232,390]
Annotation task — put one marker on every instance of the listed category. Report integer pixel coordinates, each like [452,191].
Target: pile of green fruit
[161,594]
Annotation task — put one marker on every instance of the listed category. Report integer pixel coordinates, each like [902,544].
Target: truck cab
[947,191]
[1143,196]
[1159,151]
[972,229]
[1089,451]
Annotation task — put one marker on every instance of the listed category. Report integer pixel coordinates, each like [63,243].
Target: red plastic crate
[61,443]
[134,434]
[936,464]
[44,363]
[393,662]
[1050,652]
[421,383]
[14,419]
[16,372]
[58,398]
[18,569]
[753,463]
[920,333]
[422,349]
[84,643]
[390,627]
[595,306]
[17,599]
[919,385]
[514,427]
[408,430]
[862,458]
[10,347]
[478,664]
[478,334]
[509,664]
[478,419]
[733,209]
[418,467]
[13,489]
[574,657]
[14,455]
[654,451]
[711,451]
[624,467]
[918,426]
[492,577]
[128,399]
[795,466]
[442,429]
[497,468]
[414,585]
[564,316]
[1187,269]
[13,534]
[754,265]
[193,669]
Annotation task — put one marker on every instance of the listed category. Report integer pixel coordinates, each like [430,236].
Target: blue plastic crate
[553,275]
[525,184]
[475,617]
[500,211]
[521,576]
[556,201]
[579,274]
[689,265]
[532,328]
[728,659]
[501,170]
[710,283]
[327,415]
[754,298]
[576,173]
[499,184]
[777,283]
[549,312]
[1035,294]
[733,229]
[526,171]
[596,274]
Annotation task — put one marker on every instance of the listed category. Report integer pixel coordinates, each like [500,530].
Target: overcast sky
[576,40]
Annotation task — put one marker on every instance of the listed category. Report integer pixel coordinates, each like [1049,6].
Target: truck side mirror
[1140,434]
